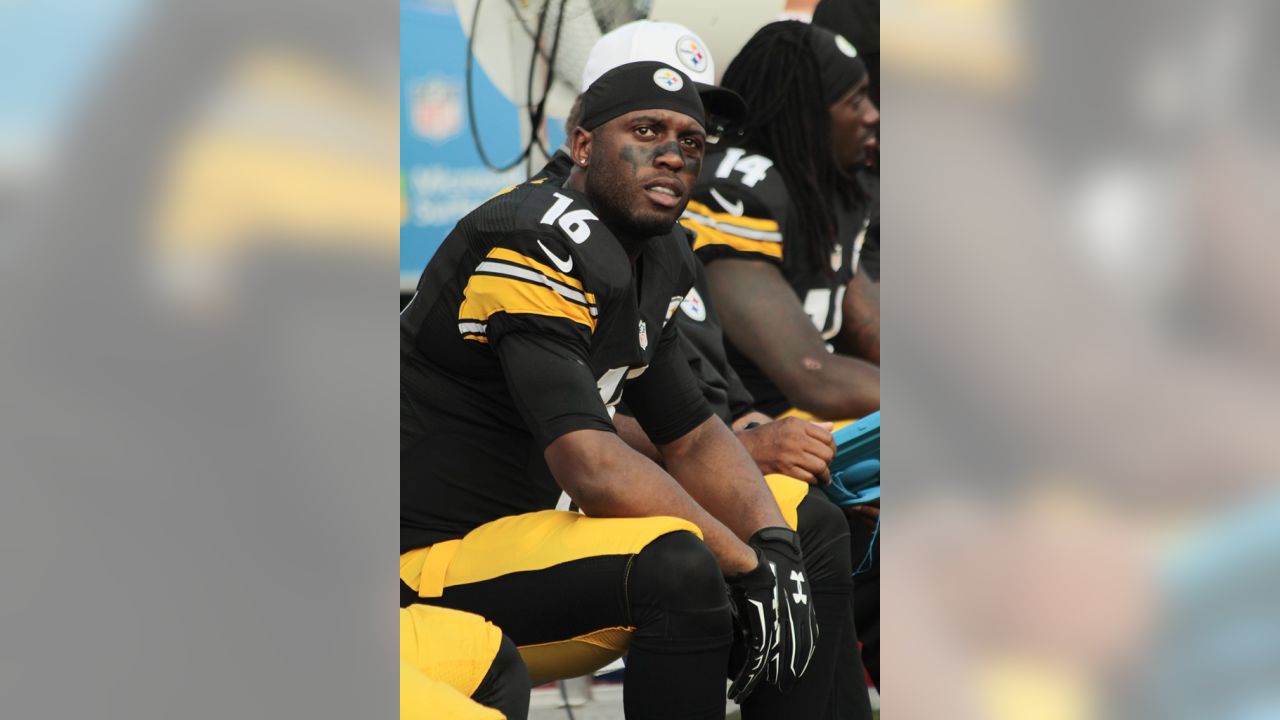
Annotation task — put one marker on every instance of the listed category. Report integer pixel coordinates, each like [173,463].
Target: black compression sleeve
[551,385]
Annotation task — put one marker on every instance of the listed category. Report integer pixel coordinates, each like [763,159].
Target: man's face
[642,167]
[855,125]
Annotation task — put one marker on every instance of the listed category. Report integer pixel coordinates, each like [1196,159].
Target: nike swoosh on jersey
[563,266]
[736,209]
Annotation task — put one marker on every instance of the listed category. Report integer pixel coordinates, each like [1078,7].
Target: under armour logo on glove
[797,626]
[799,596]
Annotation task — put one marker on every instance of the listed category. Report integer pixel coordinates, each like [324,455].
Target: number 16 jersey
[527,324]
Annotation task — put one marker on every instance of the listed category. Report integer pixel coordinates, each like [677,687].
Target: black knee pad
[506,686]
[675,590]
[824,540]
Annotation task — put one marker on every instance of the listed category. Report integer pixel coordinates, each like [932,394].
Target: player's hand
[797,448]
[754,600]
[797,624]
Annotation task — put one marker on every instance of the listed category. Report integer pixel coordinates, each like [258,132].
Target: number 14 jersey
[741,209]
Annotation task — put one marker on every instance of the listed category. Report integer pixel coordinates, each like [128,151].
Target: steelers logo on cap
[691,53]
[668,79]
[845,46]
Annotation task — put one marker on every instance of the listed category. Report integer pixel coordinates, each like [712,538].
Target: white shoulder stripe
[536,277]
[765,235]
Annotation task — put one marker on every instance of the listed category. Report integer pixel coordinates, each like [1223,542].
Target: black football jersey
[741,209]
[526,285]
[700,333]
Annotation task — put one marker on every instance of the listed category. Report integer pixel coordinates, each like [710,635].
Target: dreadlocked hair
[779,77]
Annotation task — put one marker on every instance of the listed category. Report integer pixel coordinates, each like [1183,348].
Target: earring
[583,162]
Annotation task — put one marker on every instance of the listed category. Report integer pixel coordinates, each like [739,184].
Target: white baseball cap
[665,42]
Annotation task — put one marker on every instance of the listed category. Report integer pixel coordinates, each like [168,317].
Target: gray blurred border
[197,516]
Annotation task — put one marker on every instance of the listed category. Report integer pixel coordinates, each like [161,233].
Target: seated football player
[780,217]
[457,665]
[537,312]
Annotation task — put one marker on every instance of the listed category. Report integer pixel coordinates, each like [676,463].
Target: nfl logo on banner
[435,109]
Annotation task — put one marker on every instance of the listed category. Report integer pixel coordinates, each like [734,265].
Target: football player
[537,311]
[780,218]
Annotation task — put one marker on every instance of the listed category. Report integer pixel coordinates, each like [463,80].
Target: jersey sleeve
[665,399]
[740,400]
[551,386]
[731,220]
[531,283]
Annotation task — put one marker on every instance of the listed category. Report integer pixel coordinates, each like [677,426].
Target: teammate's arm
[860,333]
[764,319]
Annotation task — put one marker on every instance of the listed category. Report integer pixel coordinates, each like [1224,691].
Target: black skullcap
[647,85]
[838,63]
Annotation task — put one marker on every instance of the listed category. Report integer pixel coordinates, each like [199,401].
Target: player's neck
[632,242]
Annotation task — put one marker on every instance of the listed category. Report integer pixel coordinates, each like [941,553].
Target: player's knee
[676,579]
[506,685]
[824,540]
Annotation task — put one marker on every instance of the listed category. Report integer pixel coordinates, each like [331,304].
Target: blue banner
[442,176]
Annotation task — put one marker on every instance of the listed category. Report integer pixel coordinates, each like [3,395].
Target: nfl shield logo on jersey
[644,336]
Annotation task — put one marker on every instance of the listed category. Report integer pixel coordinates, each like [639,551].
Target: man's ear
[580,147]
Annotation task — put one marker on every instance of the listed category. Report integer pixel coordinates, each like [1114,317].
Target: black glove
[797,625]
[754,600]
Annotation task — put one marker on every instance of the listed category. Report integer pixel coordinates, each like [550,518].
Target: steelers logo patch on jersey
[668,79]
[693,306]
[691,53]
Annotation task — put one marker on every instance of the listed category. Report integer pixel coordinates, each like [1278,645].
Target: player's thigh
[424,698]
[454,647]
[798,413]
[555,582]
[788,492]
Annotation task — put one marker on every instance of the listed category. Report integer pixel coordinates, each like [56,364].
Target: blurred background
[199,207]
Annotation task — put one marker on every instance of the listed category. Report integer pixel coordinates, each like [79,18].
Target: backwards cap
[838,63]
[646,85]
[669,43]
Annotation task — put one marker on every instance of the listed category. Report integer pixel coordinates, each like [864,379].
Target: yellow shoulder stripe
[516,258]
[488,294]
[709,236]
[721,218]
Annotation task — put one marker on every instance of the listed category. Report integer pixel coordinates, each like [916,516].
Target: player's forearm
[717,471]
[608,479]
[834,387]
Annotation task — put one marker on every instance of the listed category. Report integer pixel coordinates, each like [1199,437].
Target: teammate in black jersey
[780,219]
[527,324]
